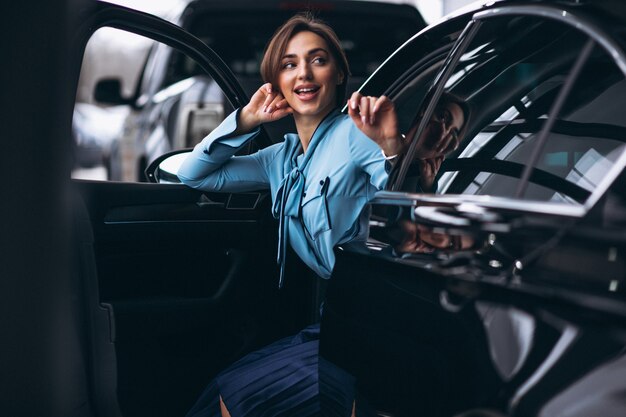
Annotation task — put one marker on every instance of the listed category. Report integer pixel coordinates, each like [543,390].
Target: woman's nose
[304,72]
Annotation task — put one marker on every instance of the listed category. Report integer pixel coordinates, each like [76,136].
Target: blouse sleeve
[366,154]
[211,165]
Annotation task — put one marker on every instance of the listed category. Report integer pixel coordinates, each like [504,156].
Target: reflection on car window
[510,83]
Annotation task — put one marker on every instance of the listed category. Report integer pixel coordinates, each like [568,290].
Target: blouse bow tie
[289,194]
[291,190]
[287,204]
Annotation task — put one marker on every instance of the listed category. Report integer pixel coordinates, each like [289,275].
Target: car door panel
[417,341]
[132,222]
[192,285]
[409,355]
[190,277]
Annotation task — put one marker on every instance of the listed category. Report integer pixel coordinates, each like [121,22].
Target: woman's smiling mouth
[307,93]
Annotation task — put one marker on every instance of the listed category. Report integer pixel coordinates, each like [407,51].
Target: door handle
[236,201]
[243,201]
[206,202]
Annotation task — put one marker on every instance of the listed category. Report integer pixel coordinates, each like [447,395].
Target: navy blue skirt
[281,379]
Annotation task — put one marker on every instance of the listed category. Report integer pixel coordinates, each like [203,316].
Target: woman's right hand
[266,105]
[376,117]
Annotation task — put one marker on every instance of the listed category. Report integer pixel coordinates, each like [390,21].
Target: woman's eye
[288,65]
[319,60]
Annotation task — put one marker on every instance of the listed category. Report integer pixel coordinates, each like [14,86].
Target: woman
[319,178]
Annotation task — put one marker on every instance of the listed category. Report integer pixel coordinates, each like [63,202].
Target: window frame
[549,12]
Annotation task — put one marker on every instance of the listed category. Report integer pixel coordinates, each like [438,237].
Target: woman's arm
[211,166]
[367,155]
[375,129]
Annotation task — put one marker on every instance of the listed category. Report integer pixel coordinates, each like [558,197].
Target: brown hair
[303,22]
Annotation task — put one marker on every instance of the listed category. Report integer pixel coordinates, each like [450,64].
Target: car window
[508,79]
[117,132]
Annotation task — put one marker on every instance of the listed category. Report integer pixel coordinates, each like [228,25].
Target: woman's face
[309,76]
[441,135]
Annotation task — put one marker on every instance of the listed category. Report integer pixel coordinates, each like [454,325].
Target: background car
[175,105]
[95,131]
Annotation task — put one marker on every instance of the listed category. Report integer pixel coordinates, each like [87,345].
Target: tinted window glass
[508,80]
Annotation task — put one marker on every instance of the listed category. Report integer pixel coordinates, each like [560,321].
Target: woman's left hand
[376,117]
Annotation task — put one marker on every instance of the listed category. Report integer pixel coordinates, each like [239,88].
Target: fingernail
[269,109]
[353,104]
[264,109]
[363,119]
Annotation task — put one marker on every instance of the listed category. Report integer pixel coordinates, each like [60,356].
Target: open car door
[182,283]
[501,293]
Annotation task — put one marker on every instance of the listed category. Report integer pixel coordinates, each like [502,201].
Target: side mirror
[109,91]
[164,169]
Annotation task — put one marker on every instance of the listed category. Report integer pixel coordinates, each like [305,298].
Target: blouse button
[321,182]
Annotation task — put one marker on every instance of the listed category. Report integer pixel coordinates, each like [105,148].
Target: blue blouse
[317,196]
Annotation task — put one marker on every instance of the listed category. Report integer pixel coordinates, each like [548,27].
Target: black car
[502,293]
[126,298]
